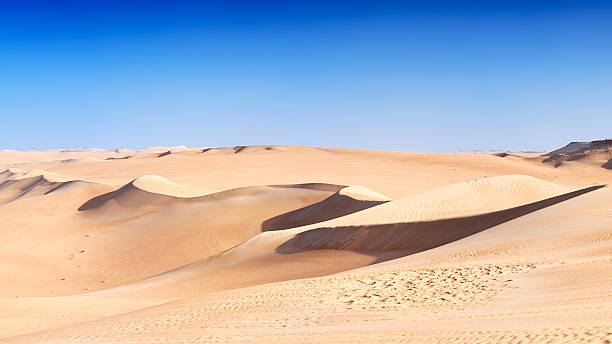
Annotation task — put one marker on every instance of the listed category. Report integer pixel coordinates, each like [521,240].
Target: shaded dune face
[215,221]
[133,195]
[456,200]
[412,237]
[154,232]
[127,196]
[332,207]
[364,237]
[12,188]
[230,256]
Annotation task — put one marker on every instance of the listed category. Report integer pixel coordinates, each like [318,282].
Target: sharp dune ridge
[382,242]
[345,201]
[153,189]
[413,236]
[18,184]
[467,206]
[266,244]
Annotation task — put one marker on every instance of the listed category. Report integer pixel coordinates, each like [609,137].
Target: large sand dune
[266,244]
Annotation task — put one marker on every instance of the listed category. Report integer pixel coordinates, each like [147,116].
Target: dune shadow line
[317,212]
[394,240]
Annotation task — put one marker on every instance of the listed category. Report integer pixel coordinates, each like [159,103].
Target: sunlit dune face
[183,244]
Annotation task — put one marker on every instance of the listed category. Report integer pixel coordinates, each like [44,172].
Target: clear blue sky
[414,76]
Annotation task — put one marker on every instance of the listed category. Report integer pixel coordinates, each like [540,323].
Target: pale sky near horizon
[435,76]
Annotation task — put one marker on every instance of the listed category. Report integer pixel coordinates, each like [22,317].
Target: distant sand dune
[148,189]
[285,244]
[19,184]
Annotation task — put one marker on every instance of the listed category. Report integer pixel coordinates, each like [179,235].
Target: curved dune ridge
[157,190]
[413,237]
[147,189]
[345,201]
[524,291]
[160,185]
[461,199]
[275,247]
[18,174]
[385,231]
[360,193]
[175,231]
[457,201]
[19,184]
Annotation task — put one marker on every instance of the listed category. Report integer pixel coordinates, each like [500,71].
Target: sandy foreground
[281,244]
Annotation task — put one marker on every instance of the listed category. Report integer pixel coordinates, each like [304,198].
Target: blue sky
[416,76]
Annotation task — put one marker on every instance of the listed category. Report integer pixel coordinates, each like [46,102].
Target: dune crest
[413,237]
[20,184]
[160,185]
[345,201]
[361,193]
[462,199]
[475,197]
[147,189]
[301,244]
[18,174]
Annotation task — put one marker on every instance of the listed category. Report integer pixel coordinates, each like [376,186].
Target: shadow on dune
[131,196]
[312,186]
[330,208]
[390,241]
[607,165]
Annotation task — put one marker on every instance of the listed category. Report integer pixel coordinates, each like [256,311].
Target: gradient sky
[416,76]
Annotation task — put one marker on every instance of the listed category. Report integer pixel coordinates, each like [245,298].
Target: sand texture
[283,244]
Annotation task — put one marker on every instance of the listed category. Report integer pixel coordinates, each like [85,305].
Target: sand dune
[19,184]
[153,232]
[412,236]
[266,244]
[463,199]
[468,291]
[346,201]
[405,227]
[149,189]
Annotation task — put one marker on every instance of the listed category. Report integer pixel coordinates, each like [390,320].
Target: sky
[430,76]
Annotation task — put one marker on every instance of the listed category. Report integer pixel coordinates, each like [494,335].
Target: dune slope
[274,256]
[128,234]
[266,244]
[466,291]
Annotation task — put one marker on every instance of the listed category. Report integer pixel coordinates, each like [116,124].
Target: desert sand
[284,244]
